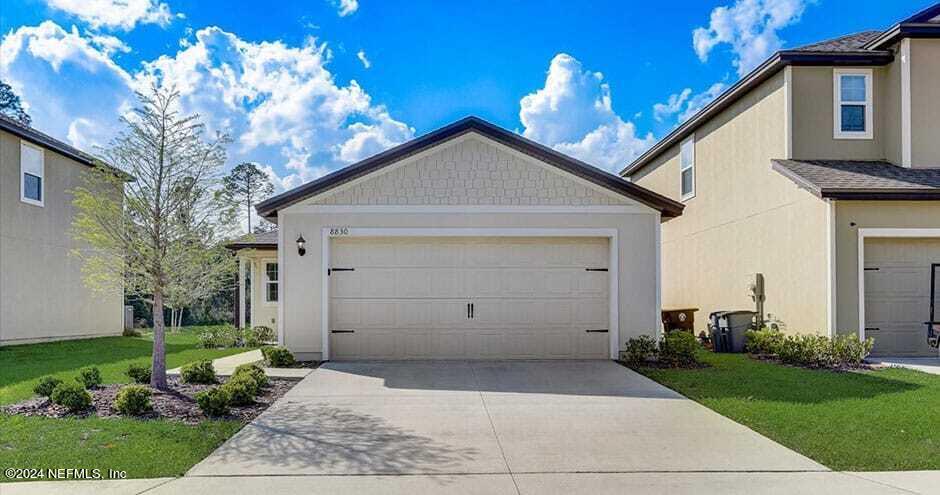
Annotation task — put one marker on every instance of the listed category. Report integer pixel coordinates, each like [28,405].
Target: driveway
[490,418]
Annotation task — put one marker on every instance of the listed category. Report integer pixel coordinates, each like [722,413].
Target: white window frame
[42,175]
[869,103]
[264,288]
[690,194]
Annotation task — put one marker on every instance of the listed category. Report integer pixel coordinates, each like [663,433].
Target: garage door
[468,298]
[897,294]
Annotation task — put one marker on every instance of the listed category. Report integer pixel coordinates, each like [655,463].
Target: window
[852,114]
[31,174]
[270,282]
[687,168]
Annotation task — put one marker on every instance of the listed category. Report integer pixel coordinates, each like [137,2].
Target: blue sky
[307,87]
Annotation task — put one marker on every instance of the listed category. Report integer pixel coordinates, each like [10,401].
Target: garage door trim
[614,263]
[865,233]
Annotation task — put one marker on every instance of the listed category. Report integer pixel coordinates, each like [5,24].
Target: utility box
[679,319]
[728,329]
[128,317]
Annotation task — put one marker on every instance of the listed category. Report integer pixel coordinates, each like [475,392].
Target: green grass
[21,366]
[882,420]
[144,449]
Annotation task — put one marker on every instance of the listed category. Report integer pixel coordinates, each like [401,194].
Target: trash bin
[728,329]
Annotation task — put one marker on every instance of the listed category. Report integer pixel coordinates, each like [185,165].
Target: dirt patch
[177,403]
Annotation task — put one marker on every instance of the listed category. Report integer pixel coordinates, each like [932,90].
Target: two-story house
[42,293]
[820,170]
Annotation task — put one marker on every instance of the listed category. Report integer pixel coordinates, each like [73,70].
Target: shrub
[89,377]
[678,348]
[640,350]
[46,385]
[806,350]
[241,390]
[213,402]
[850,351]
[198,372]
[258,336]
[277,357]
[71,395]
[254,372]
[133,400]
[219,336]
[138,373]
[764,341]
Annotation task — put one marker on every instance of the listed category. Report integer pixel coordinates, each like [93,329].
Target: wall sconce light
[301,243]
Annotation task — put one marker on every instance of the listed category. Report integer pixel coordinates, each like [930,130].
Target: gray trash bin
[728,329]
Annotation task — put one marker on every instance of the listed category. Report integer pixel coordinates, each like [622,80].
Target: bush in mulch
[278,357]
[809,350]
[199,372]
[177,403]
[214,402]
[140,374]
[677,349]
[46,385]
[241,389]
[89,377]
[133,400]
[253,371]
[72,396]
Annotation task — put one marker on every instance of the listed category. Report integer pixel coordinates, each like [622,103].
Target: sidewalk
[226,366]
[911,482]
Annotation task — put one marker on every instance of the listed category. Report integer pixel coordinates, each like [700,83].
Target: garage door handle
[342,331]
[595,269]
[600,330]
[330,271]
[868,329]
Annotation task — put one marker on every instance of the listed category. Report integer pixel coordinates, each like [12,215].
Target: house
[819,170]
[42,292]
[468,242]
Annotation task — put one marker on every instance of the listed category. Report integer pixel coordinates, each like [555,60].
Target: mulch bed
[176,404]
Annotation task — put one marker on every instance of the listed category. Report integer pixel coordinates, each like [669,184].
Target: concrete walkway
[808,483]
[225,366]
[925,364]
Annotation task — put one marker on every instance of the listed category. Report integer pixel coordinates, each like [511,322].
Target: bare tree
[246,184]
[163,221]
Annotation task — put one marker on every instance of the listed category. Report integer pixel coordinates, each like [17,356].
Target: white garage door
[468,298]
[897,294]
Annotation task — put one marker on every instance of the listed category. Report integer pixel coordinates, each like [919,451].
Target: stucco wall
[925,103]
[262,312]
[745,218]
[869,214]
[890,110]
[467,171]
[813,117]
[42,294]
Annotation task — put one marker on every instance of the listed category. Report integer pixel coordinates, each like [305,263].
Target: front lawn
[144,449]
[882,420]
[22,365]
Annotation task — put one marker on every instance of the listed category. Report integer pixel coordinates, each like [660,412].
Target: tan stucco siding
[745,218]
[42,292]
[263,312]
[853,215]
[890,110]
[812,105]
[470,170]
[925,103]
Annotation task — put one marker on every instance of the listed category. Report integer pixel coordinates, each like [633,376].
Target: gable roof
[666,206]
[866,48]
[46,141]
[854,179]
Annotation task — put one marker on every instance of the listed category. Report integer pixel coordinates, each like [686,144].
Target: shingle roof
[263,240]
[849,43]
[850,179]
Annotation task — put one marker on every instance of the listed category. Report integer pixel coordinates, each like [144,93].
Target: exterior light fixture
[301,243]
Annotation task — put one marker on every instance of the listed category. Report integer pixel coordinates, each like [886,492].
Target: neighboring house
[818,170]
[42,294]
[468,242]
[256,305]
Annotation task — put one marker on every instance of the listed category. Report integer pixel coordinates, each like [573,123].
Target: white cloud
[572,113]
[684,104]
[750,28]
[116,14]
[108,44]
[346,7]
[280,103]
[361,55]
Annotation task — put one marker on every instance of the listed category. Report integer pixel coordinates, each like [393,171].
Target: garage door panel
[897,294]
[532,298]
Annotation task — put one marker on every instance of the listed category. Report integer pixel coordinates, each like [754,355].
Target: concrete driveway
[482,418]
